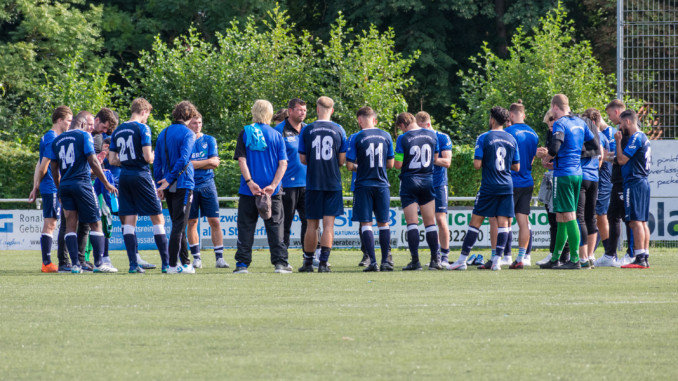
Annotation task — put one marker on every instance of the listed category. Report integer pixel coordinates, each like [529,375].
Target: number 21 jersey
[322,141]
[498,151]
[416,149]
[127,140]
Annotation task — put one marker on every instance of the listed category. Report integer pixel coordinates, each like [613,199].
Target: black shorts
[521,199]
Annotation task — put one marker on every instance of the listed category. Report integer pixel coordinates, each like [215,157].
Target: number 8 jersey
[127,140]
[498,151]
[416,149]
[322,141]
[70,150]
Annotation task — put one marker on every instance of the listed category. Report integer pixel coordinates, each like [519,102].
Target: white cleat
[221,264]
[316,258]
[506,260]
[458,265]
[627,259]
[187,269]
[197,263]
[527,261]
[607,261]
[173,270]
[497,266]
[544,261]
[105,268]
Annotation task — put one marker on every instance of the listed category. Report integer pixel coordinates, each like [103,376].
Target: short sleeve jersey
[47,183]
[261,164]
[528,141]
[205,148]
[575,133]
[498,150]
[370,149]
[322,141]
[416,149]
[128,141]
[70,150]
[295,174]
[348,147]
[605,170]
[639,152]
[440,173]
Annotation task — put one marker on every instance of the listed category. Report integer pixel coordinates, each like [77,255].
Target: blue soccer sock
[46,248]
[161,242]
[367,236]
[195,250]
[413,241]
[106,241]
[324,254]
[444,253]
[469,241]
[432,240]
[219,252]
[509,242]
[71,240]
[502,237]
[130,238]
[98,241]
[384,242]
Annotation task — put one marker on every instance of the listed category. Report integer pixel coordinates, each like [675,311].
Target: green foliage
[17,164]
[463,179]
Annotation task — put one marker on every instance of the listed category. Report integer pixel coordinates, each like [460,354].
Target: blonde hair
[548,116]
[140,105]
[325,102]
[262,111]
[422,117]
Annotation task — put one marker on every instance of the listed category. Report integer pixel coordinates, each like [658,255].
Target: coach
[260,152]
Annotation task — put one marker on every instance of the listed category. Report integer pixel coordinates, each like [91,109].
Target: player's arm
[245,171]
[211,163]
[342,158]
[99,173]
[41,169]
[147,151]
[444,159]
[54,167]
[622,156]
[515,167]
[282,167]
[113,158]
[389,163]
[351,166]
[477,163]
[302,158]
[399,155]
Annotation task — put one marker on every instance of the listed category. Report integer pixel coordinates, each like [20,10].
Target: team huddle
[597,177]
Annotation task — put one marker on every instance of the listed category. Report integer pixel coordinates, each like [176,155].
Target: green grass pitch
[531,324]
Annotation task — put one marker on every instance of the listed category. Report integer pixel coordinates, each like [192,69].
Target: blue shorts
[603,202]
[441,199]
[137,195]
[416,190]
[637,201]
[205,202]
[50,205]
[371,199]
[493,205]
[80,197]
[323,203]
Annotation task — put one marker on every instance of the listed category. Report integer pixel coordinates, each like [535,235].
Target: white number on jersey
[126,145]
[648,158]
[323,151]
[372,152]
[422,156]
[500,162]
[67,156]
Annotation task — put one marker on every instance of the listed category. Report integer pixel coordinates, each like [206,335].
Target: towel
[255,138]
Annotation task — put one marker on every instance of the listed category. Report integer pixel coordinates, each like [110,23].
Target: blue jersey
[575,132]
[70,151]
[205,148]
[498,150]
[605,170]
[47,183]
[639,152]
[114,169]
[440,173]
[262,164]
[295,174]
[127,140]
[416,148]
[528,141]
[322,141]
[173,156]
[353,173]
[370,149]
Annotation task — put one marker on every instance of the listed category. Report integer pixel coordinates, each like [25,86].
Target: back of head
[500,115]
[405,119]
[106,115]
[561,101]
[280,115]
[422,117]
[325,103]
[517,107]
[80,120]
[615,104]
[593,114]
[630,116]
[262,111]
[548,117]
[184,111]
[366,112]
[60,113]
[139,105]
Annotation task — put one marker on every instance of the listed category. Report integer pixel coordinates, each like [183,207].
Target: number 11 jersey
[498,150]
[370,149]
[127,140]
[322,141]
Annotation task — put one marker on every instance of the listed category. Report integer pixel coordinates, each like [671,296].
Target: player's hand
[254,188]
[618,135]
[161,194]
[110,188]
[609,156]
[33,196]
[162,185]
[269,190]
[542,152]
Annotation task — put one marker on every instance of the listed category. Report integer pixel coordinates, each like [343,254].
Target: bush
[17,165]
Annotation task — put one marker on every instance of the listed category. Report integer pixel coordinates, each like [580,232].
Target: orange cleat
[51,268]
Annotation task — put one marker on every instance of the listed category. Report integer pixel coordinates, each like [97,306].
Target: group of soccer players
[597,173]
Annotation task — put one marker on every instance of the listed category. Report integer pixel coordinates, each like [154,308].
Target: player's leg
[192,227]
[591,222]
[382,211]
[412,219]
[333,206]
[129,238]
[160,238]
[521,203]
[431,230]
[90,215]
[62,251]
[50,213]
[183,248]
[637,213]
[217,236]
[503,229]
[583,231]
[363,205]
[83,239]
[615,214]
[441,222]
[71,238]
[310,240]
[274,233]
[247,224]
[480,209]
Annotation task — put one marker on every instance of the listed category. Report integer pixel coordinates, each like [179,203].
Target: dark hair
[629,115]
[184,111]
[60,113]
[517,107]
[499,114]
[279,116]
[592,114]
[366,112]
[107,140]
[294,102]
[404,118]
[106,115]
[79,120]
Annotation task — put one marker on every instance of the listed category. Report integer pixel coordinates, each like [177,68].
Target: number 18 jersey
[322,141]
[416,149]
[370,149]
[498,151]
[127,140]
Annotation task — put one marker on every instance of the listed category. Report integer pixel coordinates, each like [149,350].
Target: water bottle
[114,203]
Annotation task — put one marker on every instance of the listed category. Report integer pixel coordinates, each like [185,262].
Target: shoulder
[280,126]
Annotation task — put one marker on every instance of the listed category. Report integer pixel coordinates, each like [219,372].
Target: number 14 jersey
[370,149]
[127,140]
[498,151]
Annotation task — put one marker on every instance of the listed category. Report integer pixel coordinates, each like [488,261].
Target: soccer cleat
[173,269]
[458,265]
[506,260]
[282,269]
[221,264]
[372,267]
[143,264]
[164,269]
[486,266]
[105,268]
[545,260]
[471,259]
[527,261]
[197,263]
[444,261]
[306,268]
[240,270]
[413,266]
[50,268]
[479,260]
[385,266]
[187,269]
[76,269]
[435,264]
[607,261]
[389,259]
[64,268]
[107,260]
[627,259]
[365,261]
[638,263]
[87,266]
[324,267]
[516,265]
[569,265]
[497,266]
[584,264]
[550,265]
[592,263]
[136,270]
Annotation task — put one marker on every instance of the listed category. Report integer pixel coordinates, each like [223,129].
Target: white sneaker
[105,268]
[606,261]
[221,264]
[458,265]
[527,261]
[627,259]
[316,258]
[543,261]
[497,266]
[197,263]
[282,269]
[187,269]
[506,260]
[173,270]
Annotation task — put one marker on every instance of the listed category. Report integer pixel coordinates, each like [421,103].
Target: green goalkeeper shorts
[566,193]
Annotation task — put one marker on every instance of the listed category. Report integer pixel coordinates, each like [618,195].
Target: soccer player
[523,184]
[415,154]
[570,134]
[205,159]
[322,147]
[174,169]
[635,159]
[588,195]
[370,154]
[131,150]
[72,156]
[440,184]
[294,180]
[496,152]
[43,183]
[104,121]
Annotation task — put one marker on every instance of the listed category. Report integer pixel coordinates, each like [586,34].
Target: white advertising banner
[663,176]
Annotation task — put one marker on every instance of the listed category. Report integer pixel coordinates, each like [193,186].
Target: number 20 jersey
[322,141]
[127,140]
[497,150]
[416,149]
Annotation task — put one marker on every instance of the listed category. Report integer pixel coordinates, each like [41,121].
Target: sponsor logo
[6,227]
